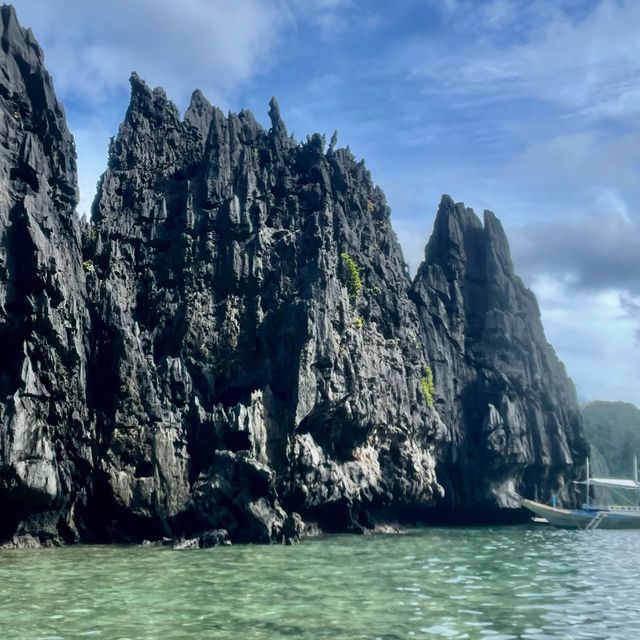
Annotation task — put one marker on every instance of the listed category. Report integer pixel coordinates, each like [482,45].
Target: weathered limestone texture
[232,348]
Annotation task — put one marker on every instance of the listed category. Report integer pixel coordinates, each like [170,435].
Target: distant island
[232,349]
[613,432]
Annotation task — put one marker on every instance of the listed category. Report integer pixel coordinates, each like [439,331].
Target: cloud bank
[210,44]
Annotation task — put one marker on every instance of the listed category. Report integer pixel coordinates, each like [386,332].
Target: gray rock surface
[45,434]
[237,375]
[511,411]
[233,343]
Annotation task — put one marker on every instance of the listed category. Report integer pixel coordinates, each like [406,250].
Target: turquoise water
[508,582]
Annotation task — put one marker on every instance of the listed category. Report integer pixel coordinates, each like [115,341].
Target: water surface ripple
[489,583]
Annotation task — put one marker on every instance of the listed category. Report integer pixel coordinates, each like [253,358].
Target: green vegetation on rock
[428,388]
[354,279]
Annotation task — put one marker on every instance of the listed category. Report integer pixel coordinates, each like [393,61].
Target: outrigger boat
[592,516]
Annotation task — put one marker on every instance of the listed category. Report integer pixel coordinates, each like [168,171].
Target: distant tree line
[613,431]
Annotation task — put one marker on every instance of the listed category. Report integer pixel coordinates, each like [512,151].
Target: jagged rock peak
[199,100]
[497,239]
[460,234]
[16,40]
[277,124]
[453,219]
[138,85]
[511,408]
[35,110]
[200,113]
[199,103]
[457,238]
[150,104]
[334,141]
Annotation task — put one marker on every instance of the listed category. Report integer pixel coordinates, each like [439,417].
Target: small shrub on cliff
[354,280]
[87,265]
[428,388]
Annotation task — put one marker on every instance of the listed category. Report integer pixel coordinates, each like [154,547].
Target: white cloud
[498,14]
[588,64]
[595,336]
[332,19]
[91,47]
[597,253]
[586,158]
[631,307]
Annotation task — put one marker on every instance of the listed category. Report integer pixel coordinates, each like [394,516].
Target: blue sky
[530,109]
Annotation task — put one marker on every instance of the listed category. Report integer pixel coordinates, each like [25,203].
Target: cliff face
[234,342]
[236,358]
[511,411]
[44,432]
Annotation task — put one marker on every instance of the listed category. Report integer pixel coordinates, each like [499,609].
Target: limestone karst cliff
[45,434]
[225,342]
[233,343]
[510,409]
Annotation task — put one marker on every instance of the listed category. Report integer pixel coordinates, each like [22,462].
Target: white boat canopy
[612,483]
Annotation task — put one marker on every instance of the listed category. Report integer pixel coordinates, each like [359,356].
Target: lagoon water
[502,582]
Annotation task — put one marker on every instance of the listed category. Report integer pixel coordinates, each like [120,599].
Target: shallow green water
[509,582]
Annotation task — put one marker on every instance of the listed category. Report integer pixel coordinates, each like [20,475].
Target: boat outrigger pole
[635,468]
[587,483]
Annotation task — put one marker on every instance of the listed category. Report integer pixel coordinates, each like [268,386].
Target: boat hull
[582,518]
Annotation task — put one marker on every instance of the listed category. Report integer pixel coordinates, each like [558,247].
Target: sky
[530,109]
